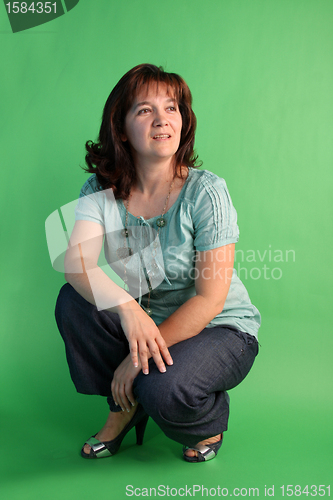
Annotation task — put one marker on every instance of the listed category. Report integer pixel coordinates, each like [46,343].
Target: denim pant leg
[189,402]
[95,343]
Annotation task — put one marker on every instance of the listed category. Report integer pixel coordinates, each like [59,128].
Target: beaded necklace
[124,253]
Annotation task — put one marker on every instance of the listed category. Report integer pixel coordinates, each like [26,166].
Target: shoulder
[92,202]
[213,216]
[204,184]
[91,186]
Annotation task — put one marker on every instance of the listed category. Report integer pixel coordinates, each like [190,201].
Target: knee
[68,307]
[168,397]
[67,296]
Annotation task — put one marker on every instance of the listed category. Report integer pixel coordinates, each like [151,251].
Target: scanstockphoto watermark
[220,491]
[198,490]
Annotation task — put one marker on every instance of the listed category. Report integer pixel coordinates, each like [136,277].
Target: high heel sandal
[102,449]
[205,451]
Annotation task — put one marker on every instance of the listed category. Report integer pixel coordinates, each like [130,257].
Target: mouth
[161,136]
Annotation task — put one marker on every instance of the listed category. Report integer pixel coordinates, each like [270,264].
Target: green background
[261,73]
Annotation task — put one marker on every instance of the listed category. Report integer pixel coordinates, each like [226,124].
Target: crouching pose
[180,330]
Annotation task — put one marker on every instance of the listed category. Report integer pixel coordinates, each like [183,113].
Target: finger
[163,349]
[125,404]
[133,347]
[143,353]
[113,392]
[129,393]
[166,355]
[119,398]
[156,354]
[116,397]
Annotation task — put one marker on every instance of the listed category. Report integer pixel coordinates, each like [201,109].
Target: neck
[153,177]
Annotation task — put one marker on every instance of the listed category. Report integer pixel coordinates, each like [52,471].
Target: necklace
[124,253]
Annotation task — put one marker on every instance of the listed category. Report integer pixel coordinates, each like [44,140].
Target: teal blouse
[202,218]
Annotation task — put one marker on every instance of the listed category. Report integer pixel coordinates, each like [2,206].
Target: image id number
[312,490]
[22,7]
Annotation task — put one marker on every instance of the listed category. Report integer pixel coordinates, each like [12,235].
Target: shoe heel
[140,429]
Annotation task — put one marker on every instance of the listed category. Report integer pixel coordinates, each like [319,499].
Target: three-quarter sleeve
[214,216]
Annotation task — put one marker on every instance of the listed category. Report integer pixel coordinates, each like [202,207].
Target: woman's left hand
[122,384]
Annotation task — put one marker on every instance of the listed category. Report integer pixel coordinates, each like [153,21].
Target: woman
[183,331]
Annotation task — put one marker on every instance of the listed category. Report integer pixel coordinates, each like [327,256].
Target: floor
[280,434]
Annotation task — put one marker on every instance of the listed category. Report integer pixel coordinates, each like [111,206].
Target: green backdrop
[261,73]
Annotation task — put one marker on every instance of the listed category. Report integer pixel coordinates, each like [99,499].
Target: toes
[191,453]
[87,449]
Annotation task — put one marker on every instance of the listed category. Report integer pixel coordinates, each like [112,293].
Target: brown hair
[114,166]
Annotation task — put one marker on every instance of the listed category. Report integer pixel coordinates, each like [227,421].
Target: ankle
[213,439]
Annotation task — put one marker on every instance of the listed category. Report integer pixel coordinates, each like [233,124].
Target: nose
[160,120]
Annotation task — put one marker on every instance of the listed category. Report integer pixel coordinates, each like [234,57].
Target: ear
[123,137]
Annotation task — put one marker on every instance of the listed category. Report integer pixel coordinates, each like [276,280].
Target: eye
[172,108]
[143,111]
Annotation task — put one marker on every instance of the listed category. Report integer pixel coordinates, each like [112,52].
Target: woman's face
[153,126]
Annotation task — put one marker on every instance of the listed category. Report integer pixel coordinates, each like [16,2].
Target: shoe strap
[99,448]
[206,452]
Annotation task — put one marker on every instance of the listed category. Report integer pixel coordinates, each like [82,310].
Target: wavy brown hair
[110,157]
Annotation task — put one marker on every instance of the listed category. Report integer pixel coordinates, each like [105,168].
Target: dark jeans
[189,402]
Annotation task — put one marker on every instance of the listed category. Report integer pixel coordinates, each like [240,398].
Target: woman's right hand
[122,384]
[144,337]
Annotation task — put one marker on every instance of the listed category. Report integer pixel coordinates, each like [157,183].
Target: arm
[82,271]
[215,269]
[89,280]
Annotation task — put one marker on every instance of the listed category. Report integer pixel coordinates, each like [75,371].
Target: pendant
[161,222]
[149,311]
[124,252]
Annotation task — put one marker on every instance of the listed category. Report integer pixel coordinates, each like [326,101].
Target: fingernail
[163,370]
[136,365]
[145,372]
[133,404]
